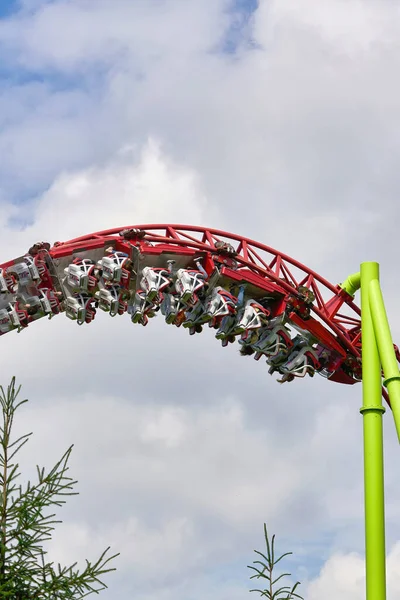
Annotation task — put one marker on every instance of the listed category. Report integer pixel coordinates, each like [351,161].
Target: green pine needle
[266,572]
[27,522]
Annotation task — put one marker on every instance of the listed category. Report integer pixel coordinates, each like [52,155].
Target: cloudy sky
[277,120]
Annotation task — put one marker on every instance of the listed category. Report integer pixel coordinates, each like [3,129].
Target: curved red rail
[331,316]
[276,266]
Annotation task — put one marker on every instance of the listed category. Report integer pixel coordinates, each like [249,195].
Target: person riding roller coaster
[189,295]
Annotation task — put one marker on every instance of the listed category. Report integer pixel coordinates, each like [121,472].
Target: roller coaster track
[325,315]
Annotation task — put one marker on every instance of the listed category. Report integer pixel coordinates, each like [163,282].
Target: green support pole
[372,411]
[386,351]
[352,283]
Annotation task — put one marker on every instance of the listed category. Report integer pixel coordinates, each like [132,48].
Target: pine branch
[266,572]
[27,521]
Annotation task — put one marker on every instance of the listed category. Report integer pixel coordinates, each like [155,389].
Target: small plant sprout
[264,569]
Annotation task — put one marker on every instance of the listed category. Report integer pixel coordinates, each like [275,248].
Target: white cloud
[294,144]
[157,444]
[149,30]
[123,193]
[349,26]
[138,186]
[198,490]
[171,546]
[343,576]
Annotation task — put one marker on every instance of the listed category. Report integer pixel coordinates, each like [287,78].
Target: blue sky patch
[8,7]
[238,32]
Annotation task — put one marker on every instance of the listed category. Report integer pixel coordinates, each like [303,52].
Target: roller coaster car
[196,316]
[226,331]
[252,316]
[195,329]
[154,281]
[46,303]
[54,299]
[246,350]
[80,308]
[225,248]
[9,319]
[302,303]
[132,234]
[220,304]
[173,310]
[277,360]
[111,300]
[242,322]
[26,313]
[39,247]
[116,268]
[25,272]
[300,363]
[188,284]
[81,275]
[7,282]
[273,342]
[42,268]
[142,309]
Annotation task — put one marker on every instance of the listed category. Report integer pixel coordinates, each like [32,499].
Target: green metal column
[386,351]
[372,411]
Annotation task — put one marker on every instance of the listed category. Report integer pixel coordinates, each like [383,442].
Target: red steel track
[331,317]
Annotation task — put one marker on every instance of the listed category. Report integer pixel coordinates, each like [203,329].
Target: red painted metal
[333,317]
[274,267]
